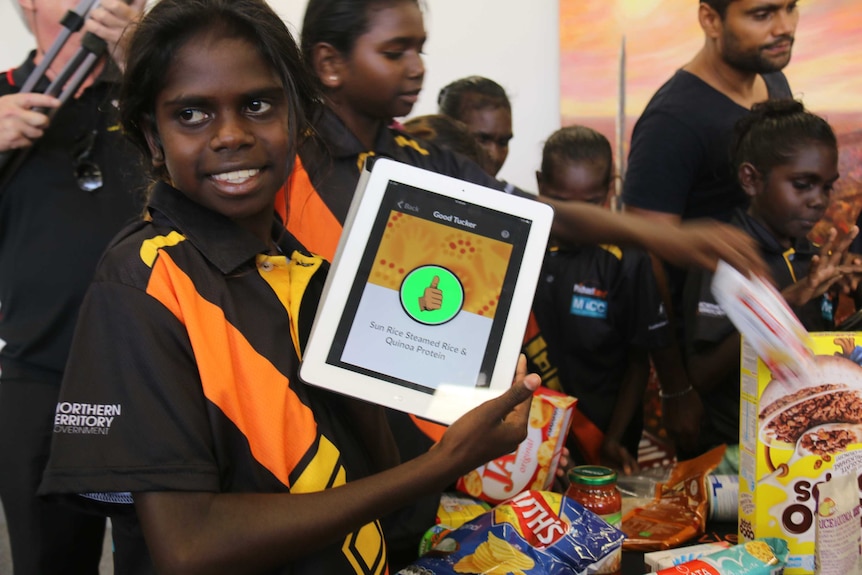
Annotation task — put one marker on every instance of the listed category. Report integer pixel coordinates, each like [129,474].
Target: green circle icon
[432,295]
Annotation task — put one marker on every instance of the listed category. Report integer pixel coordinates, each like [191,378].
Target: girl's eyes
[191,116]
[259,107]
[195,116]
[393,55]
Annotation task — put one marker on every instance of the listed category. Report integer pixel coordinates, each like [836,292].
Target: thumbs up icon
[432,297]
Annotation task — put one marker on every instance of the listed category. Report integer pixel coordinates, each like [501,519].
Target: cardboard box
[793,438]
[534,464]
[658,560]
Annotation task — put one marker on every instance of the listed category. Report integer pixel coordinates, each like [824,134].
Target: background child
[197,427]
[787,162]
[597,306]
[482,105]
[449,133]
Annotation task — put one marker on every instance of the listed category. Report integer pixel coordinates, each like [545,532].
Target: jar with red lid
[595,487]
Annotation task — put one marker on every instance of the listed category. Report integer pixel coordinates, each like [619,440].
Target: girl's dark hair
[577,144]
[170,24]
[450,133]
[773,133]
[451,102]
[338,22]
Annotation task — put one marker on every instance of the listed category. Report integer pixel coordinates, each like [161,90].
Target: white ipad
[425,307]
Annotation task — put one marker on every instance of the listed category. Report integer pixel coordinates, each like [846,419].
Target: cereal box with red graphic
[793,437]
[534,464]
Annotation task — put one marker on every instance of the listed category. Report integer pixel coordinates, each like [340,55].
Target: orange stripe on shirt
[308,217]
[247,388]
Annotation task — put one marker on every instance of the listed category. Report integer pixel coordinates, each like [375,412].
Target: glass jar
[595,487]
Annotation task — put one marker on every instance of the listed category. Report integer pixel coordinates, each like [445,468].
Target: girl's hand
[494,428]
[682,417]
[618,457]
[827,269]
[850,281]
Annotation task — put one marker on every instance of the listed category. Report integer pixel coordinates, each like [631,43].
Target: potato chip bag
[534,464]
[536,532]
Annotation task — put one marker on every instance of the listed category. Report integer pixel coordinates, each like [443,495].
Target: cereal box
[794,437]
[534,464]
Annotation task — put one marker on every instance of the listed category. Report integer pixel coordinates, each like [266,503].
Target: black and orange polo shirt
[183,376]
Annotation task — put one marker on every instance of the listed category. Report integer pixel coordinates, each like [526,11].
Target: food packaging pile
[536,532]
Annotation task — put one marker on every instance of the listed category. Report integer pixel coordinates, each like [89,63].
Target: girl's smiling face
[793,196]
[222,130]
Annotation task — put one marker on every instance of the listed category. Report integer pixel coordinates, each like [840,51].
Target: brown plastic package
[678,511]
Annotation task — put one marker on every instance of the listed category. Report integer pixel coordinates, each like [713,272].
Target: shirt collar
[225,244]
[764,237]
[342,143]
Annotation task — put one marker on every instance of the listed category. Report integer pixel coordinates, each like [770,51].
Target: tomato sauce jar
[595,487]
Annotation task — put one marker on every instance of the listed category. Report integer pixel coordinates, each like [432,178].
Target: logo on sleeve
[589,302]
[85,418]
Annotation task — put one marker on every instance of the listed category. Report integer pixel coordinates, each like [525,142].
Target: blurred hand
[20,122]
[827,269]
[109,20]
[681,418]
[618,457]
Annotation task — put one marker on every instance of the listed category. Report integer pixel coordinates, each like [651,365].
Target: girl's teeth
[236,177]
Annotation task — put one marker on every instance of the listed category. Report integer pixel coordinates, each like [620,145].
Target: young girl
[787,162]
[598,308]
[181,412]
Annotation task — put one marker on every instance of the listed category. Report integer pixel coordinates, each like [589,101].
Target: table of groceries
[786,499]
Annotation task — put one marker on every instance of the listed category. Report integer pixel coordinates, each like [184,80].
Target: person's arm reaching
[697,243]
[629,400]
[245,533]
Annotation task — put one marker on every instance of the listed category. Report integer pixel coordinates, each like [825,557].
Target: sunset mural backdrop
[662,35]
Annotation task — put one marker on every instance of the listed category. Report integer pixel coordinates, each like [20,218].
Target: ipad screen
[434,285]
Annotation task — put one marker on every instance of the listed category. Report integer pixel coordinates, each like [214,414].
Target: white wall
[512,42]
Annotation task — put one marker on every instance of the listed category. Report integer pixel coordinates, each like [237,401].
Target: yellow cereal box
[534,463]
[793,437]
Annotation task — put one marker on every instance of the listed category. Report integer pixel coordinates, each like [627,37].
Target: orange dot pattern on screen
[479,262]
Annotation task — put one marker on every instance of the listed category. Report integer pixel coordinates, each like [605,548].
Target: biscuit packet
[679,509]
[765,556]
[837,536]
[534,464]
[534,533]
